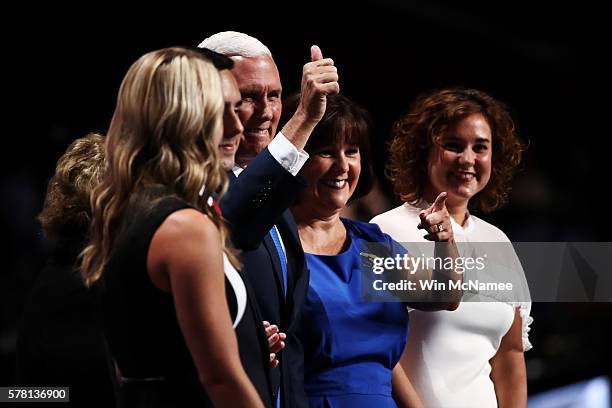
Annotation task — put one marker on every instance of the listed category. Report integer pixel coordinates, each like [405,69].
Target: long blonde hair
[169,108]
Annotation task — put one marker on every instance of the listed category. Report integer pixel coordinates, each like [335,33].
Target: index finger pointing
[440,202]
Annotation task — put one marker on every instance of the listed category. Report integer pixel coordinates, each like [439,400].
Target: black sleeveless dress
[142,329]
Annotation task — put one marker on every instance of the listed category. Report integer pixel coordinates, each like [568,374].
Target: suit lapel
[298,275]
[278,271]
[289,230]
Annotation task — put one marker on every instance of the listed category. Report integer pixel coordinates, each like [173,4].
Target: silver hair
[233,43]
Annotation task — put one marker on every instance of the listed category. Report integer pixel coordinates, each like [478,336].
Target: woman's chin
[336,205]
[339,206]
[460,195]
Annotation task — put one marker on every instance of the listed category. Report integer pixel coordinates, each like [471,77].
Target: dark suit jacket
[256,201]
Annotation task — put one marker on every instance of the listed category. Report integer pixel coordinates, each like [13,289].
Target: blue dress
[350,347]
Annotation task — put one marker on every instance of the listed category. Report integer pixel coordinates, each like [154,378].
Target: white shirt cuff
[286,154]
[236,170]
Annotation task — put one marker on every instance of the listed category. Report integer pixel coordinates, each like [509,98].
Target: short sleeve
[526,320]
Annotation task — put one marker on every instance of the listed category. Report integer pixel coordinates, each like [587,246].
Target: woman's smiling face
[460,163]
[332,173]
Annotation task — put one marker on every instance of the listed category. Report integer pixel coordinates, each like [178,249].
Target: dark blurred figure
[59,341]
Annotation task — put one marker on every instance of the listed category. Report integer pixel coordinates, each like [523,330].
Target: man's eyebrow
[251,89]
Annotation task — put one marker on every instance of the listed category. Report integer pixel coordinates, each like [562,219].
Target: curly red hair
[429,118]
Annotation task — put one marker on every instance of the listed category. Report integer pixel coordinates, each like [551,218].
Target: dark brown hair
[343,120]
[428,119]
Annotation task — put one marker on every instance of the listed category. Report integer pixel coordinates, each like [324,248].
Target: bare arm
[404,394]
[508,370]
[185,258]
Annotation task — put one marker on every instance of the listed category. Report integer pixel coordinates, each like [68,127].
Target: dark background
[63,68]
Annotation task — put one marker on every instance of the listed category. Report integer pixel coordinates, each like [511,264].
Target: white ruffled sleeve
[526,320]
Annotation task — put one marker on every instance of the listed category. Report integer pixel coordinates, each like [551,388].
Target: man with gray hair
[256,204]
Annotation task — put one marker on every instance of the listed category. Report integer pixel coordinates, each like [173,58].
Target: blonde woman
[158,249]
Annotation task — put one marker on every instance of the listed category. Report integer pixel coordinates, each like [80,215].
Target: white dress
[237,284]
[447,354]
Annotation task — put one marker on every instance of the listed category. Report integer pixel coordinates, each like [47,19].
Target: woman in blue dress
[351,348]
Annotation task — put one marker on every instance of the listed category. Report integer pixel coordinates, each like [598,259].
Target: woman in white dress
[461,141]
